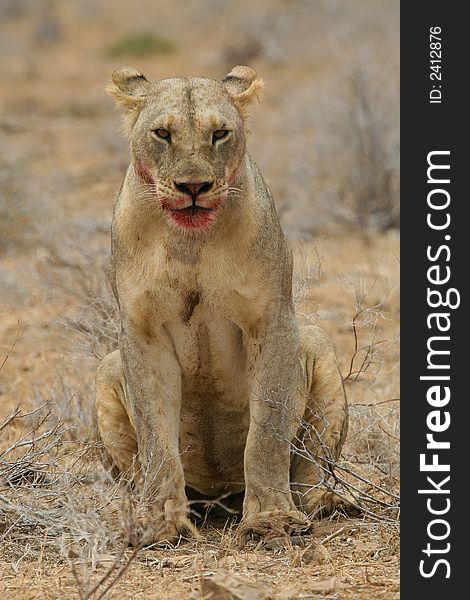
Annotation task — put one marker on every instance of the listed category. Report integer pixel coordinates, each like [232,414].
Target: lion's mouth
[193,217]
[193,208]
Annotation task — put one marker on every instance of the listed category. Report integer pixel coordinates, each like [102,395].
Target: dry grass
[64,525]
[62,515]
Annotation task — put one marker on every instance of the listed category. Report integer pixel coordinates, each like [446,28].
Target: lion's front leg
[268,508]
[153,380]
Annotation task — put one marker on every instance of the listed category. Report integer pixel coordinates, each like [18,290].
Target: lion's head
[187,138]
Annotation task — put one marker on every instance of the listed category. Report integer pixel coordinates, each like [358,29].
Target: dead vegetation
[326,140]
[358,166]
[59,506]
[61,513]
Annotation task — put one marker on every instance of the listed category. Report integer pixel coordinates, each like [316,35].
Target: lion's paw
[331,502]
[164,528]
[272,524]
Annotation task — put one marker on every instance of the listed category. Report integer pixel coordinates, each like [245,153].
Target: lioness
[214,387]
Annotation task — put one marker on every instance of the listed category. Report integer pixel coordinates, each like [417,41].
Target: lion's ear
[129,88]
[242,84]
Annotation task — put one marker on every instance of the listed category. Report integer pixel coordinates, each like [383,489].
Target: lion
[214,387]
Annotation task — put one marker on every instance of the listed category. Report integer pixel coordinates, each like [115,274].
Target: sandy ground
[61,163]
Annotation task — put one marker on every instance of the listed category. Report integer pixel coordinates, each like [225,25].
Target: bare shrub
[83,277]
[96,324]
[367,355]
[70,403]
[364,484]
[366,475]
[358,164]
[308,272]
[375,430]
[56,501]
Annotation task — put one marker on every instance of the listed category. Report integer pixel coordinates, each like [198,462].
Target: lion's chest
[205,318]
[214,415]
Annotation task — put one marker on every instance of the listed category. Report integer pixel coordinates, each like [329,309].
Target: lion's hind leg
[324,422]
[114,427]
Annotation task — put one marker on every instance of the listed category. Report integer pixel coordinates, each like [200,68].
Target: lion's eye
[219,135]
[163,134]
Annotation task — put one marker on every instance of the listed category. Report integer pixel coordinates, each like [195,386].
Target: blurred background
[326,137]
[325,133]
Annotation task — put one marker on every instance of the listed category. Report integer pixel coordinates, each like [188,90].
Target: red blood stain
[143,172]
[186,217]
[235,173]
[193,218]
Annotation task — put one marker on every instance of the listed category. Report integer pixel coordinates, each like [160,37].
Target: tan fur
[213,384]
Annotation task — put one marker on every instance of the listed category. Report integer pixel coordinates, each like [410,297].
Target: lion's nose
[193,189]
